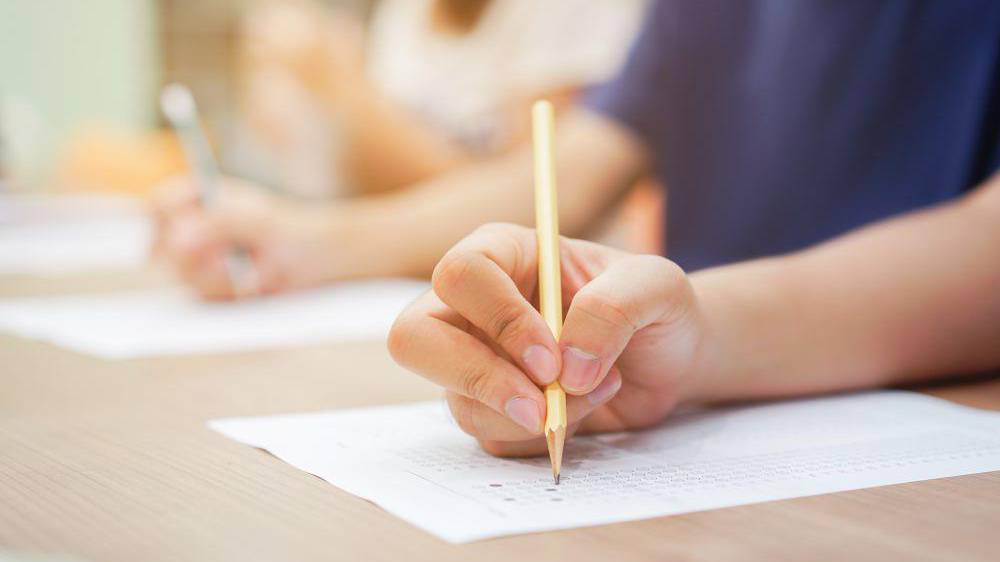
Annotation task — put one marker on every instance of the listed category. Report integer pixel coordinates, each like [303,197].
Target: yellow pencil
[549,277]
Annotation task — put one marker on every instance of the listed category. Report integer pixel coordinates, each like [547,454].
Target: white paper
[37,208]
[172,322]
[76,246]
[50,235]
[415,463]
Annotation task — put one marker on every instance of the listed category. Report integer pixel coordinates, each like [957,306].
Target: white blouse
[464,85]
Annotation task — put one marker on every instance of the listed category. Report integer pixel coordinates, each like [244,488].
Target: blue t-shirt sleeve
[632,96]
[995,164]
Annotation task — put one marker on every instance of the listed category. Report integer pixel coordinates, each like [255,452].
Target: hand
[287,242]
[631,340]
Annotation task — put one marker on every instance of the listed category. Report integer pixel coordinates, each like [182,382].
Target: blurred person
[775,126]
[431,84]
[442,84]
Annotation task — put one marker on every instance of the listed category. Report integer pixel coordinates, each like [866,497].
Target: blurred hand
[629,349]
[323,48]
[287,242]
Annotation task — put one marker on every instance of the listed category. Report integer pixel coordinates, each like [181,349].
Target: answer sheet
[53,235]
[414,462]
[173,322]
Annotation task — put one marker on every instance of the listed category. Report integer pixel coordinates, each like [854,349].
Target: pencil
[549,276]
[178,105]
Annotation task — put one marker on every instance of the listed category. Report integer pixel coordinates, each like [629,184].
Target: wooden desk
[111,461]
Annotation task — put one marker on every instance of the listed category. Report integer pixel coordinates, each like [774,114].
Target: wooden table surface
[111,461]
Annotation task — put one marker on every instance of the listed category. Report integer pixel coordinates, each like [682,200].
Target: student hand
[287,242]
[631,340]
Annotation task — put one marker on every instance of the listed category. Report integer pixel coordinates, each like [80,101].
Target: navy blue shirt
[776,124]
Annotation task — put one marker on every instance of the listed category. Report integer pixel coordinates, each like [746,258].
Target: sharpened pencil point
[556,440]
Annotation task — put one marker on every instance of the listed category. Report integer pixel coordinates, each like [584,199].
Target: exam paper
[75,246]
[173,322]
[415,463]
[50,235]
[36,208]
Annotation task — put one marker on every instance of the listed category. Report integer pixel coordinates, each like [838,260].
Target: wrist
[342,239]
[713,359]
[752,327]
[360,240]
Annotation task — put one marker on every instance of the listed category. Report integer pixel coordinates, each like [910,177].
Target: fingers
[428,339]
[484,279]
[598,415]
[210,278]
[187,238]
[629,295]
[170,199]
[200,242]
[486,424]
[196,250]
[585,414]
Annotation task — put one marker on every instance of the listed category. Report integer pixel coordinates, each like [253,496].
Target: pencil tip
[556,440]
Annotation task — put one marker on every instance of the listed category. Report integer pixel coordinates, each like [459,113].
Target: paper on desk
[415,463]
[39,208]
[92,245]
[172,322]
[48,235]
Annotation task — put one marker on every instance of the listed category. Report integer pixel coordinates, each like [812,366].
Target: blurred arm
[407,232]
[903,300]
[385,147]
[382,146]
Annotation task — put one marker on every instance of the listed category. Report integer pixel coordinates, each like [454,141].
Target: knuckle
[506,324]
[665,273]
[450,271]
[661,282]
[673,286]
[476,382]
[505,244]
[500,234]
[604,309]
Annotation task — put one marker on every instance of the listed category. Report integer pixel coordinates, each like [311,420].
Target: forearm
[904,300]
[411,229]
[385,148]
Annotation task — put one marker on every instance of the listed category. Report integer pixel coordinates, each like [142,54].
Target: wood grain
[111,461]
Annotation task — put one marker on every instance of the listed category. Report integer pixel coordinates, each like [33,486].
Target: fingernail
[525,413]
[606,390]
[541,363]
[579,369]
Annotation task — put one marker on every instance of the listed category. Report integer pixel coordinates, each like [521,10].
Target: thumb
[631,294]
